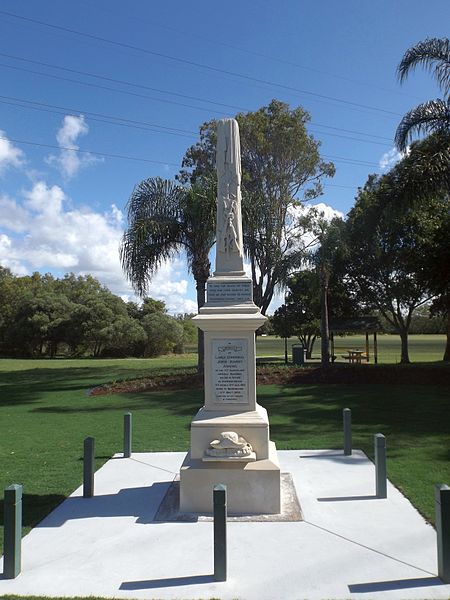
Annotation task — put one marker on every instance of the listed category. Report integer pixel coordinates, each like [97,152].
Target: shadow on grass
[28,385]
[35,507]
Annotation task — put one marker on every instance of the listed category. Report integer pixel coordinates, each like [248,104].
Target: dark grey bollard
[12,544]
[347,420]
[220,532]
[380,466]
[127,432]
[442,504]
[88,467]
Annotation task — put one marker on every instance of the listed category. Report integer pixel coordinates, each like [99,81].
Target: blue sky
[162,69]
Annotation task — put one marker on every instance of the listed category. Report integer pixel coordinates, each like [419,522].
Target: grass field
[422,348]
[46,412]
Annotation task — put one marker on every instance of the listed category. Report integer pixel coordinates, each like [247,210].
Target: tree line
[41,315]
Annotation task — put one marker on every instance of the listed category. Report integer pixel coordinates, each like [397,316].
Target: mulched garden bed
[287,375]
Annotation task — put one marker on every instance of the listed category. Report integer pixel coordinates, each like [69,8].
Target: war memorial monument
[230,434]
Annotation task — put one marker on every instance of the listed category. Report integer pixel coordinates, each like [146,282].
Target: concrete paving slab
[350,544]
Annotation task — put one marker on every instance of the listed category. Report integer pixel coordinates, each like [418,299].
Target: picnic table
[354,355]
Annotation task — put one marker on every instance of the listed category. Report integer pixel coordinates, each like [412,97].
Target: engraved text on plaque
[230,291]
[230,375]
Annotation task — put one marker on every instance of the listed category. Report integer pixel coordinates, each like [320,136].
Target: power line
[110,119]
[216,42]
[349,187]
[95,153]
[352,131]
[120,81]
[155,89]
[136,158]
[104,87]
[362,163]
[131,123]
[348,137]
[195,64]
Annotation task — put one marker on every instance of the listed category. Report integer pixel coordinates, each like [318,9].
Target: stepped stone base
[252,488]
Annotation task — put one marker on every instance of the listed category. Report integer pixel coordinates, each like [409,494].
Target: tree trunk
[405,354]
[201,298]
[324,327]
[447,345]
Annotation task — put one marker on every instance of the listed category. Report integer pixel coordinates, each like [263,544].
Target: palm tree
[164,219]
[432,116]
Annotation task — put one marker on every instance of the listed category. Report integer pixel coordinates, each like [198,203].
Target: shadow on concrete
[396,584]
[339,456]
[347,498]
[170,582]
[379,552]
[140,502]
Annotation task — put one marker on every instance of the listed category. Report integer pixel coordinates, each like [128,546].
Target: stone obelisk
[230,434]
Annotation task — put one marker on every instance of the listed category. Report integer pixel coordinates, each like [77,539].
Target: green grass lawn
[46,412]
[422,348]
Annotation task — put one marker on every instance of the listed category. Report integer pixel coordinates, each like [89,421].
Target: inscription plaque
[230,375]
[230,291]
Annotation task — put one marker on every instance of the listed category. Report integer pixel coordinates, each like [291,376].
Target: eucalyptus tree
[432,116]
[165,219]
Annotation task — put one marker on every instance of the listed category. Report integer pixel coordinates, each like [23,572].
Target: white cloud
[69,160]
[308,240]
[328,211]
[12,216]
[44,199]
[9,154]
[7,258]
[389,159]
[55,238]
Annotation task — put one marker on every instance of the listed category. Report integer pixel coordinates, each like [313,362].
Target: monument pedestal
[252,487]
[253,482]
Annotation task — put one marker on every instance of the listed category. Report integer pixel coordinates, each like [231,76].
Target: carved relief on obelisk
[229,250]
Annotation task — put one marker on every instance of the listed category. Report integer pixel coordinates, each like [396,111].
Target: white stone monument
[230,433]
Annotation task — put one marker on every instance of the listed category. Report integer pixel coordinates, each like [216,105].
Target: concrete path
[350,544]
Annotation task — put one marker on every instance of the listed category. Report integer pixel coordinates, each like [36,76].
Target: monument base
[252,487]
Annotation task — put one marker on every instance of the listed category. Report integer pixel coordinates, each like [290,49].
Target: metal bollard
[220,532]
[88,467]
[12,545]
[442,505]
[127,432]
[380,466]
[347,419]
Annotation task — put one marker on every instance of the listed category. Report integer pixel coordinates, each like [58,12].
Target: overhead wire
[120,81]
[196,64]
[136,158]
[97,76]
[93,152]
[110,119]
[217,42]
[132,123]
[104,87]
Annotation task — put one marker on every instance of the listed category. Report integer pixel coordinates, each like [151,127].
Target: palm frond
[155,230]
[429,117]
[434,55]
